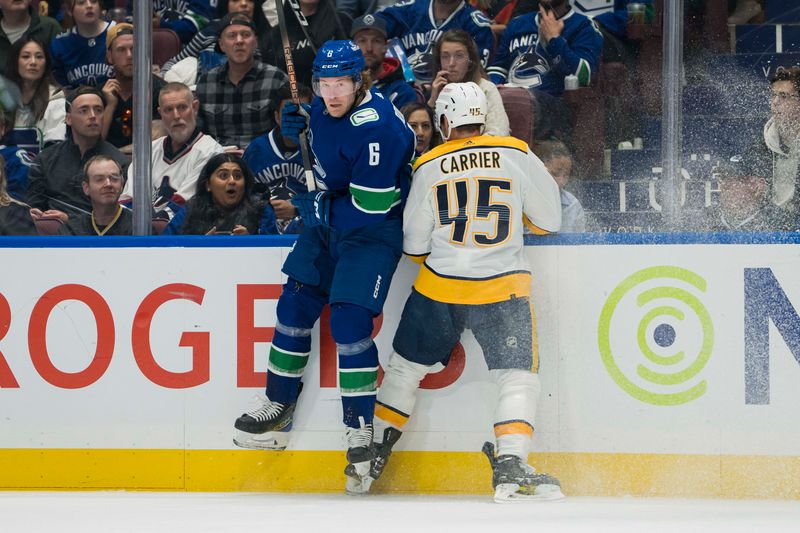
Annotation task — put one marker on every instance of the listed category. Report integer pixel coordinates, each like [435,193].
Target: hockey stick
[301,19]
[287,55]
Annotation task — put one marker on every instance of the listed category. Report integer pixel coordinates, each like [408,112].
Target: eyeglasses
[784,97]
[458,58]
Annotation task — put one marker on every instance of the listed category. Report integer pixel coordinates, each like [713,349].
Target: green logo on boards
[363,116]
[662,295]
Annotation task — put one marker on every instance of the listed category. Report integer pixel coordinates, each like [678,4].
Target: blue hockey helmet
[338,58]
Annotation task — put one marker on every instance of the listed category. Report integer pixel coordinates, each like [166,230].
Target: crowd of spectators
[67,101]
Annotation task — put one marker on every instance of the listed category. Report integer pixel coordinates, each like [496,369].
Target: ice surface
[111,512]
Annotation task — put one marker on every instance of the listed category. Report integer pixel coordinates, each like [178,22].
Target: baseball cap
[237,18]
[368,22]
[117,30]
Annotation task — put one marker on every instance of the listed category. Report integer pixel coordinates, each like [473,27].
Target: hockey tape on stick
[287,55]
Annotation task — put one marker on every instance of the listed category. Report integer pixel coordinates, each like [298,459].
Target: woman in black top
[224,203]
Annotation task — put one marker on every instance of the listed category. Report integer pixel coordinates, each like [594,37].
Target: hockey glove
[314,208]
[294,120]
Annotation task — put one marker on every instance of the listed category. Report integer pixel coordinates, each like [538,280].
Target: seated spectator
[118,90]
[418,22]
[201,54]
[184,17]
[223,203]
[40,117]
[538,50]
[15,217]
[558,160]
[236,99]
[369,33]
[18,19]
[420,118]
[177,158]
[55,177]
[455,60]
[16,162]
[780,148]
[79,54]
[743,201]
[322,26]
[277,164]
[102,184]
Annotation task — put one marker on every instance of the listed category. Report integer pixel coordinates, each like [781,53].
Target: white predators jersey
[465,213]
[181,171]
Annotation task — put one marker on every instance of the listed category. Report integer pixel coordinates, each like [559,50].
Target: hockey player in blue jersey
[346,254]
[79,54]
[539,49]
[419,23]
[277,164]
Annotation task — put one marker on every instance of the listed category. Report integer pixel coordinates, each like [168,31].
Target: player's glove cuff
[294,120]
[314,208]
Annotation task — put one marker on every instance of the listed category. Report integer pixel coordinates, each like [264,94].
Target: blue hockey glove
[294,120]
[314,208]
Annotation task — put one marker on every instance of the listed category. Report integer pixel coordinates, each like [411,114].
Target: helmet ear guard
[460,104]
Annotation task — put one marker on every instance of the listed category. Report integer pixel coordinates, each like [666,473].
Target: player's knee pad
[299,306]
[397,393]
[517,401]
[350,323]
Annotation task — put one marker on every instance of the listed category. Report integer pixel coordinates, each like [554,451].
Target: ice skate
[266,427]
[360,453]
[383,450]
[516,481]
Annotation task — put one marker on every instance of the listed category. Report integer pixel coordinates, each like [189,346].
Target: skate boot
[360,453]
[383,450]
[514,480]
[266,427]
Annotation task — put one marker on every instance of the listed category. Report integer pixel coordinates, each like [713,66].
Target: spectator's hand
[127,150]
[314,208]
[436,87]
[212,231]
[37,214]
[294,120]
[283,209]
[549,26]
[111,90]
[238,229]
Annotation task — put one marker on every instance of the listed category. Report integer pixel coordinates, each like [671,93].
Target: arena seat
[166,44]
[519,106]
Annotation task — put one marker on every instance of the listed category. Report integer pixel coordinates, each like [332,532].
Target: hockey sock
[516,410]
[351,327]
[397,395]
[287,361]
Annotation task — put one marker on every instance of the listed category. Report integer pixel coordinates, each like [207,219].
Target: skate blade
[357,486]
[274,440]
[358,479]
[510,493]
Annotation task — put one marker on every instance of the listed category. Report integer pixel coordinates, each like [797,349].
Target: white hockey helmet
[461,104]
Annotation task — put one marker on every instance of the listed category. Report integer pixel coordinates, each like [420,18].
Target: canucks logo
[422,64]
[528,68]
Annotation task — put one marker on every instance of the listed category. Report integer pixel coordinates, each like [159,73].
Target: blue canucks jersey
[523,60]
[79,60]
[274,166]
[18,161]
[413,22]
[184,17]
[364,157]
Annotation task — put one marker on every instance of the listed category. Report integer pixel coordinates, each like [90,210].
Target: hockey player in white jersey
[464,222]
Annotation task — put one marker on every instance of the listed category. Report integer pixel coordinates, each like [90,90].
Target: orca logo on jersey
[363,116]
